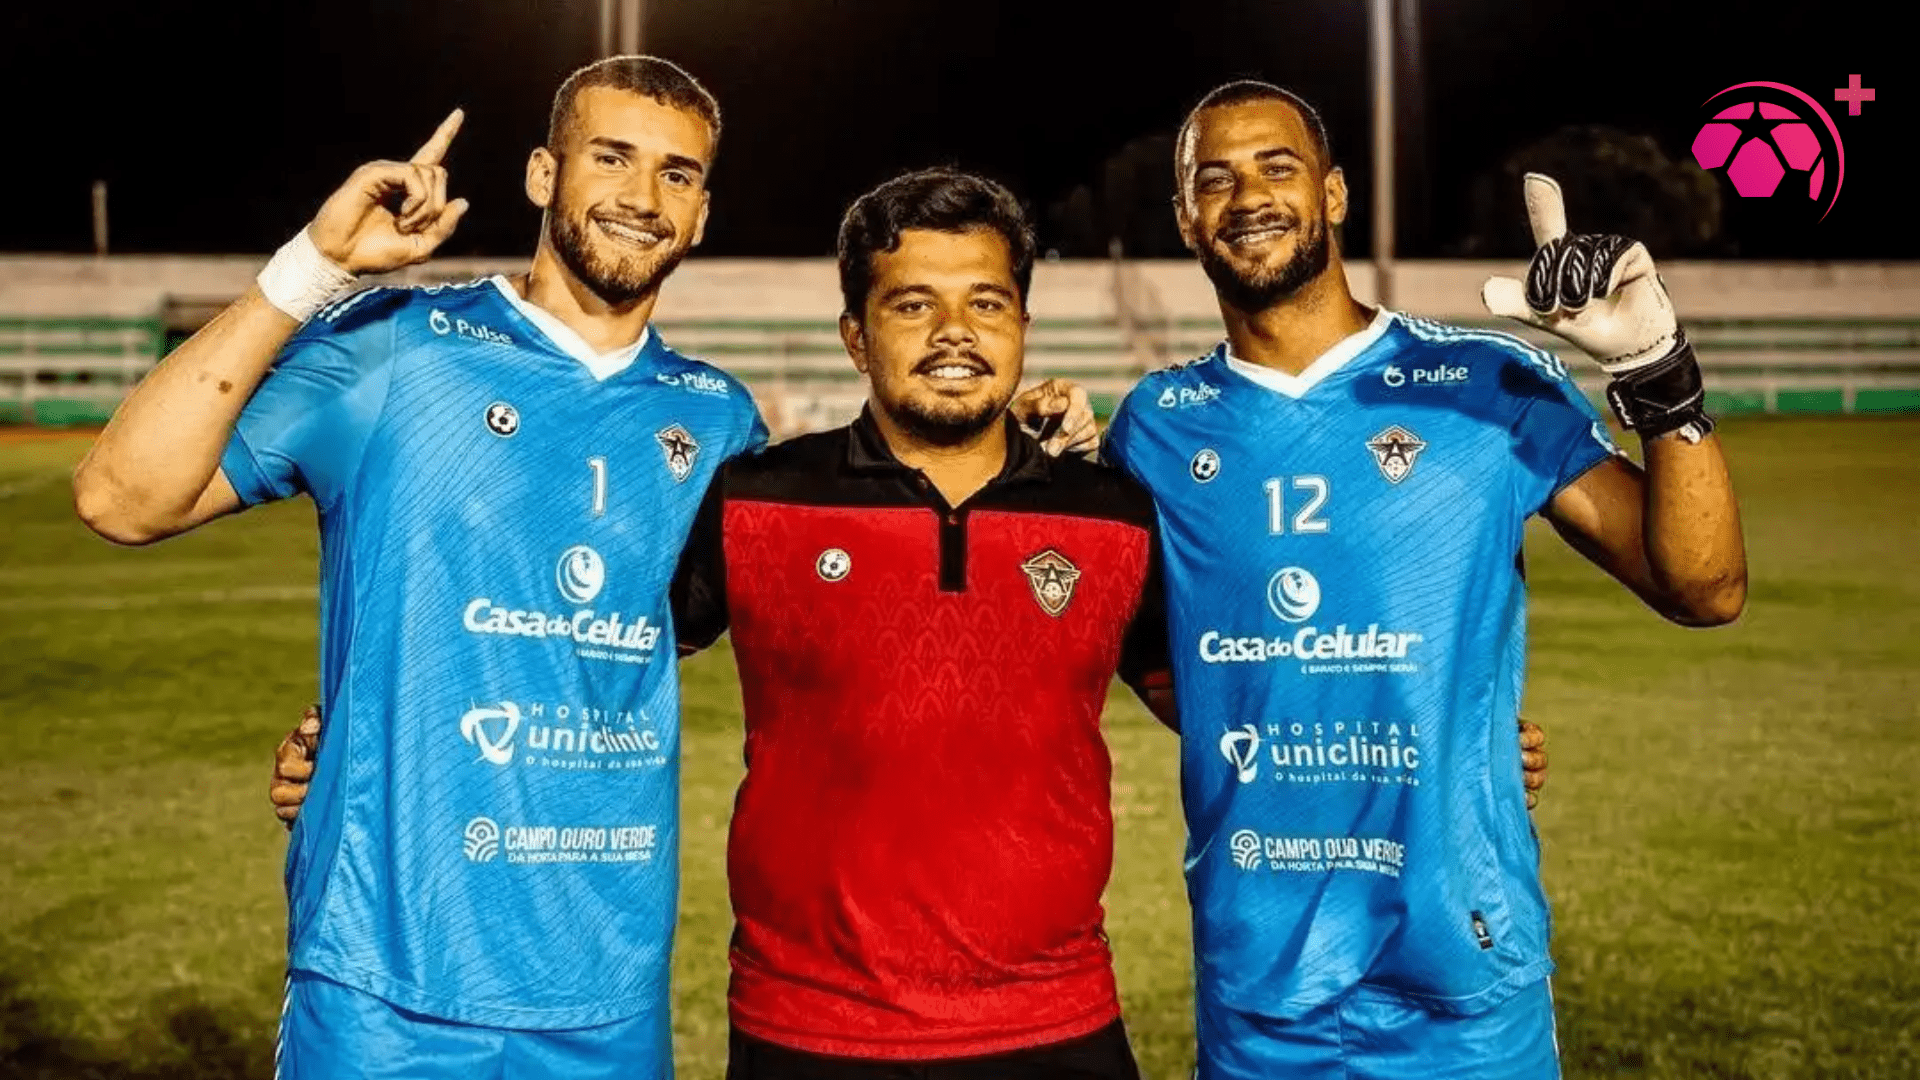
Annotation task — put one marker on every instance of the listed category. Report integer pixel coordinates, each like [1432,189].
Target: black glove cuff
[1664,396]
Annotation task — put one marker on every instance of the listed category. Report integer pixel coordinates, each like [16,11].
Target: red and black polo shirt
[920,845]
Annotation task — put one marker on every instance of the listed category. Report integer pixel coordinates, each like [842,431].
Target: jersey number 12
[1304,519]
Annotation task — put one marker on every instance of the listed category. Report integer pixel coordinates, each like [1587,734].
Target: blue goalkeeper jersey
[1348,623]
[492,832]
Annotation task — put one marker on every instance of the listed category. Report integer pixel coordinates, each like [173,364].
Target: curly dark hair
[938,200]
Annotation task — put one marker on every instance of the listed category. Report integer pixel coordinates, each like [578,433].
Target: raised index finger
[435,147]
[1546,208]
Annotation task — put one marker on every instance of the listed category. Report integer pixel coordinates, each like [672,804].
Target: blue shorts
[1370,1035]
[333,1032]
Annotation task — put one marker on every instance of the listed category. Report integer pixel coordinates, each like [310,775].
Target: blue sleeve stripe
[1588,452]
[1586,456]
[1441,333]
[243,471]
[340,307]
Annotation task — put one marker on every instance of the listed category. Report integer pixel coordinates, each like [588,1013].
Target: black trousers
[1103,1055]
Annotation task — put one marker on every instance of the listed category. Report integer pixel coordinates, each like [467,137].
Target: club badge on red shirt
[1052,576]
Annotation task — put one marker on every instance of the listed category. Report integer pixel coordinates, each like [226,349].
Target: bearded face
[1251,283]
[1258,202]
[624,189]
[942,337]
[618,254]
[940,416]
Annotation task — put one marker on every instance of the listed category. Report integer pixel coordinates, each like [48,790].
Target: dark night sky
[221,125]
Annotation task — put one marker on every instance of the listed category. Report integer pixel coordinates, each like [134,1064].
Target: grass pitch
[1731,827]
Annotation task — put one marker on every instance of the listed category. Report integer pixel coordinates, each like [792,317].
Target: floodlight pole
[99,217]
[1380,27]
[630,14]
[620,27]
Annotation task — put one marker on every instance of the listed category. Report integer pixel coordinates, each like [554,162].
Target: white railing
[74,370]
[71,370]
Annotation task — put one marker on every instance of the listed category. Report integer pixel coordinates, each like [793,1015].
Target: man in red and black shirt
[927,611]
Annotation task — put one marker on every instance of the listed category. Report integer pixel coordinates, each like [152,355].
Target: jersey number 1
[1304,520]
[599,467]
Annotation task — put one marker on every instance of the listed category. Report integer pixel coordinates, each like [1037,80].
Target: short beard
[617,284]
[948,427]
[1252,294]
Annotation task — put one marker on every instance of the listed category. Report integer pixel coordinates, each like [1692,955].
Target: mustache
[940,359]
[653,223]
[1270,220]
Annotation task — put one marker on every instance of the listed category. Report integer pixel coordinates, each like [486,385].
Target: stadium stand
[75,333]
[73,370]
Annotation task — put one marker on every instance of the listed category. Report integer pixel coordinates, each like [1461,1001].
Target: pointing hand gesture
[1599,292]
[1602,293]
[391,214]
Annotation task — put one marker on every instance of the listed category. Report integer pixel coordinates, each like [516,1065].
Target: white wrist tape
[299,280]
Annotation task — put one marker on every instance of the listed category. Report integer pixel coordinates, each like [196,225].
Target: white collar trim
[604,366]
[1296,386]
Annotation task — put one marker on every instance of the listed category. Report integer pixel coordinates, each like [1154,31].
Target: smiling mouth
[944,370]
[639,236]
[1253,237]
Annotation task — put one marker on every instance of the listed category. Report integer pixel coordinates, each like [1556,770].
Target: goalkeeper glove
[1602,293]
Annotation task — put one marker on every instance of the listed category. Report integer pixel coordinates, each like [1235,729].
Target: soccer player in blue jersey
[1342,493]
[484,882]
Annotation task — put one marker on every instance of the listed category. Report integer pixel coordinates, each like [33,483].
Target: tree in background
[1615,182]
[1132,201]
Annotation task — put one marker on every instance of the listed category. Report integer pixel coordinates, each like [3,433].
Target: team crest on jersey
[1204,466]
[502,419]
[1395,450]
[1052,576]
[681,448]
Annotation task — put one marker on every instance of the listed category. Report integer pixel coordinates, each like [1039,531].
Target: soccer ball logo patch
[1052,577]
[833,564]
[1394,450]
[681,448]
[1204,466]
[502,419]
